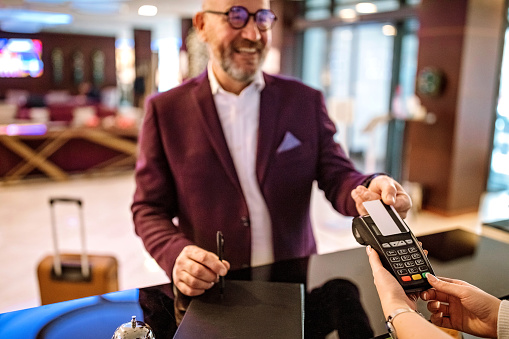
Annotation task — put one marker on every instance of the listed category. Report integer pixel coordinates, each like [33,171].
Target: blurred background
[416,88]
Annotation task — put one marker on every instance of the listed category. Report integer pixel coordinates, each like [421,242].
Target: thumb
[452,289]
[374,259]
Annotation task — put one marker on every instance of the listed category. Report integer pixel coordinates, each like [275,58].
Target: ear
[199,25]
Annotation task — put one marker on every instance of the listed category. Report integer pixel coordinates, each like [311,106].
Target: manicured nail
[431,277]
[369,249]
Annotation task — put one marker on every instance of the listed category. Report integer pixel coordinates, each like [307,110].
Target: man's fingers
[385,186]
[227,264]
[193,282]
[188,290]
[361,194]
[196,270]
[207,259]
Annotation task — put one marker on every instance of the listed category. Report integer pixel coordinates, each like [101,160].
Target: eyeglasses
[238,17]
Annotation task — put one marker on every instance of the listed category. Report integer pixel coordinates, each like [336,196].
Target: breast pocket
[299,154]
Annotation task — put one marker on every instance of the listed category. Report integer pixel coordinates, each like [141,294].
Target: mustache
[244,43]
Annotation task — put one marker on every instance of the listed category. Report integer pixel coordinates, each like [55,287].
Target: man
[236,150]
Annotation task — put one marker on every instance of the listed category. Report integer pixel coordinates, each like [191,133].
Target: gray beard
[228,65]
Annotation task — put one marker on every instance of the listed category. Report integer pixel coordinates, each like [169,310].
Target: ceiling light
[28,21]
[389,30]
[147,10]
[365,8]
[35,16]
[348,14]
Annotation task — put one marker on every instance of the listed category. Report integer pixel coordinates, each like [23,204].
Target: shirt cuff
[503,320]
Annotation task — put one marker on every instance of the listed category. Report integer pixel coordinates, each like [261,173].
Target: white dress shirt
[239,115]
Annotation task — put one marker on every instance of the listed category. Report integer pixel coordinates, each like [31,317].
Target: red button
[406,278]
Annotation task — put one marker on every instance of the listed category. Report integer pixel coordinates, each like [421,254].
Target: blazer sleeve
[154,204]
[336,174]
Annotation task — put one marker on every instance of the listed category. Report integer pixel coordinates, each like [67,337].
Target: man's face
[239,53]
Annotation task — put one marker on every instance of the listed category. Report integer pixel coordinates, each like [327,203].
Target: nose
[251,31]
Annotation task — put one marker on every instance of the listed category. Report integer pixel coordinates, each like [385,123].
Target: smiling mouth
[247,50]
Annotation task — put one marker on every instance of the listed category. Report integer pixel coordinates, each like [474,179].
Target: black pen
[220,248]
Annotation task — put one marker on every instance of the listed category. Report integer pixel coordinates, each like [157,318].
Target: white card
[382,217]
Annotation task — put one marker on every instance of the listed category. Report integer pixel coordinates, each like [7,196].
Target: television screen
[20,58]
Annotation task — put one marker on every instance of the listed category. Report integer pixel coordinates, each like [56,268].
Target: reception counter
[339,294]
[64,150]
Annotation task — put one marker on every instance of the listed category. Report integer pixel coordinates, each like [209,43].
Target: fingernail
[425,295]
[431,277]
[369,249]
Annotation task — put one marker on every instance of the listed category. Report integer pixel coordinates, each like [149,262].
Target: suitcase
[74,275]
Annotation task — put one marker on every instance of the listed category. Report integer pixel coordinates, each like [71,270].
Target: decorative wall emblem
[430,81]
[78,64]
[98,60]
[57,60]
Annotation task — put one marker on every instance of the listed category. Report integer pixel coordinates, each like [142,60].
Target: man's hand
[385,188]
[196,270]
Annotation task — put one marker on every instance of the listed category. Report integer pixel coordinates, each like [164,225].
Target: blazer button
[245,221]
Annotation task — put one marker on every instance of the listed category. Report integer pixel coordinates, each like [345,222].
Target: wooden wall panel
[450,158]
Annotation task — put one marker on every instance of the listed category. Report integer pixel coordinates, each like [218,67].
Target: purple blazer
[185,172]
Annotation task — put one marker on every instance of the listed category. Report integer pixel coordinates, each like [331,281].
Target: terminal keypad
[406,260]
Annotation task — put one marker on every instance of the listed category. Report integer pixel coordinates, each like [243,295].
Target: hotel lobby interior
[417,89]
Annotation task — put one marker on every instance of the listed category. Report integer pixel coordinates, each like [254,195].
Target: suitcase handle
[52,201]
[57,262]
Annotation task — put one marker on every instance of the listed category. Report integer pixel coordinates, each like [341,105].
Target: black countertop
[340,293]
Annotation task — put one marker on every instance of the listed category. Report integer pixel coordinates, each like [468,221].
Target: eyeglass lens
[238,17]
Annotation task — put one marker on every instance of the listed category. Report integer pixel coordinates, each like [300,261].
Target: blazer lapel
[268,128]
[213,129]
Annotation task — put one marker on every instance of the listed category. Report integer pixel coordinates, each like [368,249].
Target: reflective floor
[25,230]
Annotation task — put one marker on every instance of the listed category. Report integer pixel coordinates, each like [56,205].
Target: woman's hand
[392,296]
[461,306]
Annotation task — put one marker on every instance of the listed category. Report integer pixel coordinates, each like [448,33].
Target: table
[63,150]
[335,277]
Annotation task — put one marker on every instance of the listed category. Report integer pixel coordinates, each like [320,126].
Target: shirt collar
[258,81]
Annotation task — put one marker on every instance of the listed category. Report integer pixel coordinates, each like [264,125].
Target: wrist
[398,314]
[391,306]
[370,178]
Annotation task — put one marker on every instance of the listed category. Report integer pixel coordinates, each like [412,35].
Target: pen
[220,248]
